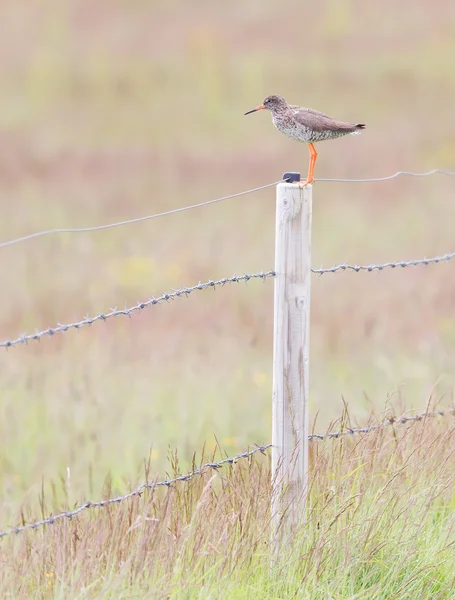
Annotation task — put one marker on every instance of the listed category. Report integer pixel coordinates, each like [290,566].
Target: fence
[290,435]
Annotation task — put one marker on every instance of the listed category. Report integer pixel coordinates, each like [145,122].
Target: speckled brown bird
[306,125]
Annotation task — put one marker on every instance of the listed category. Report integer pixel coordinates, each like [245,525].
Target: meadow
[112,111]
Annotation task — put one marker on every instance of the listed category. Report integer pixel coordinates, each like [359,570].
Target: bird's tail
[358,128]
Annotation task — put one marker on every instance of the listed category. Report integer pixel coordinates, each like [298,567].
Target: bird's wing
[319,121]
[309,110]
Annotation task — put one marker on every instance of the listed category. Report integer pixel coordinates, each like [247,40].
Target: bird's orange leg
[313,158]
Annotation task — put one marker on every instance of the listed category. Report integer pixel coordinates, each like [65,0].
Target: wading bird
[306,125]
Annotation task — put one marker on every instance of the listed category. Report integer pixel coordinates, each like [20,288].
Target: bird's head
[273,103]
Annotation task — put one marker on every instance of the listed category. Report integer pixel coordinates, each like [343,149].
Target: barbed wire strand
[387,178]
[185,291]
[136,492]
[217,465]
[387,423]
[131,221]
[387,265]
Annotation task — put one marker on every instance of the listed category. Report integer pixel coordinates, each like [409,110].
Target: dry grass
[380,525]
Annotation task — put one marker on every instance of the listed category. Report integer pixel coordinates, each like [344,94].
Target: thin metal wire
[217,465]
[185,291]
[391,265]
[178,210]
[130,221]
[397,174]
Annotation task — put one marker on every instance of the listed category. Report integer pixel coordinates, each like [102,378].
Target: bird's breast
[291,128]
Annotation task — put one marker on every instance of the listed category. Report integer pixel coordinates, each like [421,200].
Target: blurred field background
[114,110]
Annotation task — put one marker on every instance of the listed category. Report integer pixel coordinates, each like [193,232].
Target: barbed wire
[185,291]
[387,265]
[131,221]
[201,204]
[215,465]
[136,492]
[387,423]
[388,177]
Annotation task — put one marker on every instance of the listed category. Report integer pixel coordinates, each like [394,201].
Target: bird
[306,125]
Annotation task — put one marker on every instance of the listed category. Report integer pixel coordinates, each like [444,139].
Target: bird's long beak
[255,109]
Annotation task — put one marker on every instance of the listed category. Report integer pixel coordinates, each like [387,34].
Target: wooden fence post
[291,357]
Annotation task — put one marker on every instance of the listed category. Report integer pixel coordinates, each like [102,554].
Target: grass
[380,525]
[117,110]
